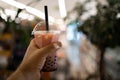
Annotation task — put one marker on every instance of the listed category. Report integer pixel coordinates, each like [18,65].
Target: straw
[46,18]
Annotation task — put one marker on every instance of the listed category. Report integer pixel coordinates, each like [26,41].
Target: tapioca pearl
[55,56]
[51,65]
[52,62]
[47,67]
[55,60]
[49,61]
[49,57]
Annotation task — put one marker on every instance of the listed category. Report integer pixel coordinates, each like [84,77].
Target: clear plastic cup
[43,38]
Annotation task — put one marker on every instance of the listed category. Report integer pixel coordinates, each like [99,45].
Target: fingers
[48,49]
[32,45]
[40,54]
[55,45]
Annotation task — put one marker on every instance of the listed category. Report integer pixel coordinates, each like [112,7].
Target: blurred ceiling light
[82,1]
[14,3]
[26,16]
[3,15]
[118,15]
[12,14]
[62,8]
[31,10]
[61,24]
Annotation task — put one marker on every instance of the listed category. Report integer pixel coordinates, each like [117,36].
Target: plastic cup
[43,38]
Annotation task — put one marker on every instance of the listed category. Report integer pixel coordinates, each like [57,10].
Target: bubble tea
[43,38]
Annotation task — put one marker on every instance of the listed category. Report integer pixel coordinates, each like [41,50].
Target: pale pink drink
[43,38]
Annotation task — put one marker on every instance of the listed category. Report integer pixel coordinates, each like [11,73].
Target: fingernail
[56,45]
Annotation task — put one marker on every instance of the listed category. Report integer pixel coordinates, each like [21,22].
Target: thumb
[48,49]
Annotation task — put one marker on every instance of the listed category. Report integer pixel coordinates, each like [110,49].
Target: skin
[33,61]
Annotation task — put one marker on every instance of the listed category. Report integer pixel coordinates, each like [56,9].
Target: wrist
[17,75]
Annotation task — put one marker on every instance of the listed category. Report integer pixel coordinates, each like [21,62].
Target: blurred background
[90,32]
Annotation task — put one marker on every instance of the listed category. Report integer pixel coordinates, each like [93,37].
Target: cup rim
[44,31]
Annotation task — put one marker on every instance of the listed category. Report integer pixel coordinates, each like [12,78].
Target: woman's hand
[33,61]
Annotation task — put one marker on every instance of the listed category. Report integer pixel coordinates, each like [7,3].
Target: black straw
[46,18]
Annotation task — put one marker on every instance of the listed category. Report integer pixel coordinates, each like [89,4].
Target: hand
[33,61]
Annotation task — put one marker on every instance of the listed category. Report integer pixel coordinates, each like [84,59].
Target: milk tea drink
[43,38]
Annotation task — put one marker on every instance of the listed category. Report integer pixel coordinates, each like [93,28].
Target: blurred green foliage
[103,29]
[21,34]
